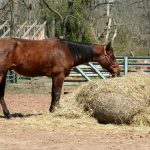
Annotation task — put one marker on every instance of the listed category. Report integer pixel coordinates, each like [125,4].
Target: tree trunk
[14,9]
[53,27]
[108,30]
[12,28]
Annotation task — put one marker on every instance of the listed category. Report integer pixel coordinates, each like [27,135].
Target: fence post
[125,65]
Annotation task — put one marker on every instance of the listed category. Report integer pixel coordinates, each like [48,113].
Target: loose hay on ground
[142,118]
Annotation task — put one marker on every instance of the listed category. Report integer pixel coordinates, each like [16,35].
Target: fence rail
[32,31]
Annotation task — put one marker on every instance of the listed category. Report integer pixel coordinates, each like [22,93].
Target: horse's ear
[108,46]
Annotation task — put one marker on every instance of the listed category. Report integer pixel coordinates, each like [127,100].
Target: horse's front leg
[57,83]
[2,91]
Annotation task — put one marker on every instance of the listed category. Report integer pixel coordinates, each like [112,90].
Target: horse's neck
[82,53]
[78,60]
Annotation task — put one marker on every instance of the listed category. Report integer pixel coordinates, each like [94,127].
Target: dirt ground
[15,134]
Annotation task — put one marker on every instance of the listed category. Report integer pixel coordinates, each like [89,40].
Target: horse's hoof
[8,116]
[51,110]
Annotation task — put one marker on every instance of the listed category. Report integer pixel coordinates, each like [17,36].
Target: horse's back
[7,42]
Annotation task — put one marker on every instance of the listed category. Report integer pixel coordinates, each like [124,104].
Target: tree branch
[25,4]
[99,5]
[135,2]
[4,6]
[105,3]
[54,11]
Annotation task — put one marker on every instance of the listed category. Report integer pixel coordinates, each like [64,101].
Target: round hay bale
[116,100]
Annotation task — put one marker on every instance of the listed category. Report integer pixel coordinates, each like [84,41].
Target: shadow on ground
[20,115]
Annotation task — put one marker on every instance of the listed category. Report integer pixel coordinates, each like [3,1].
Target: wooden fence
[25,30]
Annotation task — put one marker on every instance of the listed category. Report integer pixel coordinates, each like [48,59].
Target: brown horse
[51,57]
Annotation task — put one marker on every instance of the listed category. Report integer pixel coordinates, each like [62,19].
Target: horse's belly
[33,71]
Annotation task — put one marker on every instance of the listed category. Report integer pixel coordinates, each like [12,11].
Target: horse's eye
[113,57]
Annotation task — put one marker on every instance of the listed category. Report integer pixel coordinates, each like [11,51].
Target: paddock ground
[36,129]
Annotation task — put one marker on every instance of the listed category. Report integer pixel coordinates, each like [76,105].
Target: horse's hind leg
[2,91]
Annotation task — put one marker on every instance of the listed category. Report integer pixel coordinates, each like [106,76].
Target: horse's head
[106,58]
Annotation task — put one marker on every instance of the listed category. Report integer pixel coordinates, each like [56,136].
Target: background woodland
[124,22]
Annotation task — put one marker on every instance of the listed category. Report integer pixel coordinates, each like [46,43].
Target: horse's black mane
[80,50]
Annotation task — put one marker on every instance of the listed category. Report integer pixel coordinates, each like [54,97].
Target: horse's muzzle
[116,75]
[116,72]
